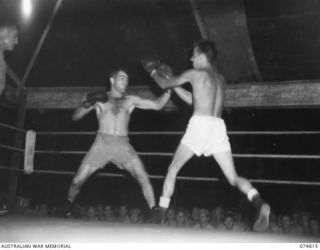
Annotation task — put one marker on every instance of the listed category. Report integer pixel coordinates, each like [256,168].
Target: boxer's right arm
[88,103]
[92,98]
[80,112]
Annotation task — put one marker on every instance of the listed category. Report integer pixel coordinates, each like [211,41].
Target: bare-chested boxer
[8,40]
[111,144]
[206,132]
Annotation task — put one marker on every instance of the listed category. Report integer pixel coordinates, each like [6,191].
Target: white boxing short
[206,135]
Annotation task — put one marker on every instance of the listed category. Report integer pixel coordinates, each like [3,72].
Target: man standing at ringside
[206,132]
[113,110]
[8,41]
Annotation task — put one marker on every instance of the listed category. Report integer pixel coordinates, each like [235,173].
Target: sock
[255,198]
[68,205]
[164,202]
[257,201]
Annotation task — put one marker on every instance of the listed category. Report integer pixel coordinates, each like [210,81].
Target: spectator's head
[107,211]
[286,222]
[229,221]
[181,217]
[273,216]
[219,214]
[99,209]
[296,218]
[43,209]
[314,226]
[123,211]
[91,213]
[305,220]
[204,217]
[82,212]
[23,203]
[53,210]
[171,215]
[135,215]
[237,216]
[195,214]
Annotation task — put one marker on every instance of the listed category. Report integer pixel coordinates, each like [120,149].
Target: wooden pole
[17,157]
[197,14]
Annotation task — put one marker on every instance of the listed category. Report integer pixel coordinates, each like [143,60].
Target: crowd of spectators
[218,218]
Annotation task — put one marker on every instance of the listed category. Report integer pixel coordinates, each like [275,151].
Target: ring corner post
[16,158]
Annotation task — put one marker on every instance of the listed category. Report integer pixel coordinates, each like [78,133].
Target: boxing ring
[19,228]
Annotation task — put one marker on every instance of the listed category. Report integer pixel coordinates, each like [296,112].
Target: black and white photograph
[159,122]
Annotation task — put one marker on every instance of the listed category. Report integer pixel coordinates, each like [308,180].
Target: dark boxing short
[110,148]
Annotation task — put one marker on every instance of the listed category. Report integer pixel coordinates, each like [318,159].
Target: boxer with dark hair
[206,132]
[111,144]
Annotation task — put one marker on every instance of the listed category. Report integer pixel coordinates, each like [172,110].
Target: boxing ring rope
[283,156]
[31,151]
[181,133]
[11,127]
[11,148]
[186,178]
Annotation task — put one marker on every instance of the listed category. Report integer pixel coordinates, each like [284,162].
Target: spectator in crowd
[41,209]
[194,219]
[83,211]
[296,219]
[273,223]
[3,198]
[91,213]
[99,209]
[170,217]
[314,227]
[181,218]
[108,214]
[239,223]
[23,205]
[123,214]
[305,217]
[204,219]
[135,216]
[53,211]
[228,221]
[218,217]
[286,224]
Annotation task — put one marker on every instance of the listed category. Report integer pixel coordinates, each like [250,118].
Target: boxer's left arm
[185,95]
[173,81]
[163,74]
[157,104]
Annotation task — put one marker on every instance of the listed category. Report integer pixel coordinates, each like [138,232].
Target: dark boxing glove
[94,97]
[150,65]
[165,71]
[155,66]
